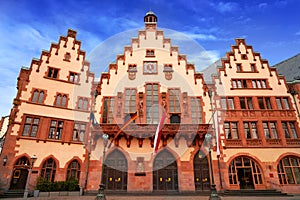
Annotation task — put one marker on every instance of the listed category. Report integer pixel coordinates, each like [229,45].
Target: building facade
[61,114]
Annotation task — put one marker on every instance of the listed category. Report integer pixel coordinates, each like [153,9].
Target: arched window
[58,100]
[64,101]
[22,161]
[288,170]
[73,170]
[35,96]
[80,103]
[41,97]
[38,96]
[49,169]
[85,104]
[245,172]
[61,100]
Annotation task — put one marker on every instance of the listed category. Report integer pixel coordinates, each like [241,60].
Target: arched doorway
[165,176]
[201,172]
[245,173]
[115,171]
[20,174]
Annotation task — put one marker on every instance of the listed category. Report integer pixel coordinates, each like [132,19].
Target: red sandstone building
[247,107]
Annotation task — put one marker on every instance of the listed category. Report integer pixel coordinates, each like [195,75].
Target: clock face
[150,68]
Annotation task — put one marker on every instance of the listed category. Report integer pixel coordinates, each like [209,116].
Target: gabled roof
[290,68]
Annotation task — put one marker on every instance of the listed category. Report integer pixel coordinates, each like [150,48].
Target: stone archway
[115,171]
[165,173]
[20,174]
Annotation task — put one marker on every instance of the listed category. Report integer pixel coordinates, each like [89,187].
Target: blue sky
[272,27]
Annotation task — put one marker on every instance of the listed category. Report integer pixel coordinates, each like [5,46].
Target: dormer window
[150,53]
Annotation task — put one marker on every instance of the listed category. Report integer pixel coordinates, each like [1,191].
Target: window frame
[288,131]
[58,128]
[286,170]
[269,130]
[61,100]
[152,98]
[79,131]
[38,96]
[108,108]
[74,77]
[233,130]
[31,125]
[250,130]
[53,73]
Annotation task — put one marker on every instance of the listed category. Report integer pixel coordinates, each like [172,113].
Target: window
[73,77]
[239,67]
[38,96]
[174,101]
[259,83]
[250,130]
[67,56]
[52,72]
[61,100]
[282,103]
[227,103]
[231,130]
[288,170]
[270,130]
[152,104]
[73,170]
[289,130]
[130,101]
[150,53]
[108,110]
[79,132]
[243,163]
[246,103]
[196,110]
[132,68]
[264,103]
[83,103]
[48,170]
[244,56]
[56,128]
[239,83]
[253,67]
[31,126]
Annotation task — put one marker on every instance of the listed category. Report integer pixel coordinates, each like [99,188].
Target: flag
[93,119]
[159,132]
[216,126]
[131,119]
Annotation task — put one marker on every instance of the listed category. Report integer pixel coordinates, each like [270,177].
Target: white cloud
[262,5]
[225,7]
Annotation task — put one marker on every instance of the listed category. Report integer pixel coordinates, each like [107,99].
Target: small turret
[150,20]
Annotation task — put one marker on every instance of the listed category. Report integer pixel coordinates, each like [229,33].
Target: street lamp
[32,160]
[101,195]
[213,192]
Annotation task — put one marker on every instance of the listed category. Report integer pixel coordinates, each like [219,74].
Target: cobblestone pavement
[163,198]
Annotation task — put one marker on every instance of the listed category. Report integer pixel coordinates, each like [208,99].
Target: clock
[150,67]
